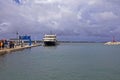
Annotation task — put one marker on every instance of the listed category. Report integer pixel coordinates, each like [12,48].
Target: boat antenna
[51,32]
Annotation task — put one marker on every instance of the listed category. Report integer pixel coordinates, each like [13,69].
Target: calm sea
[67,61]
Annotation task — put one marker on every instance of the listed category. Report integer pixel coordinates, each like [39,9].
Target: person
[6,44]
[13,44]
[1,44]
[10,44]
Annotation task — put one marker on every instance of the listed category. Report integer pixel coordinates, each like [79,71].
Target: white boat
[50,40]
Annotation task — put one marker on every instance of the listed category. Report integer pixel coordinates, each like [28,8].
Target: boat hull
[49,43]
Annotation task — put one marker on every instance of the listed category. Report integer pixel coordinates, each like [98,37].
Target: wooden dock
[17,48]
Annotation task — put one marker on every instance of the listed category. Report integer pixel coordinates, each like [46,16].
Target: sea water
[67,61]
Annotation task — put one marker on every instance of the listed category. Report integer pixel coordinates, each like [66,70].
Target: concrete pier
[17,48]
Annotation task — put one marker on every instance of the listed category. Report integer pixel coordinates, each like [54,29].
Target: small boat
[49,40]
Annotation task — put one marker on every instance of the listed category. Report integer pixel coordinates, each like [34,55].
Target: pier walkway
[17,48]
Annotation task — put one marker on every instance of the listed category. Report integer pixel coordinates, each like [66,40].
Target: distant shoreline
[38,41]
[79,42]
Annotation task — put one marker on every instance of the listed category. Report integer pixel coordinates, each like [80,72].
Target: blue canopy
[17,1]
[26,38]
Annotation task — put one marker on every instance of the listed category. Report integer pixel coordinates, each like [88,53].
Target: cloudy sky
[92,20]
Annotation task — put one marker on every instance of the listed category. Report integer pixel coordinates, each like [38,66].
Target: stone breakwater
[112,43]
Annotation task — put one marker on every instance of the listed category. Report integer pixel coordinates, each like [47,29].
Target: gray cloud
[95,18]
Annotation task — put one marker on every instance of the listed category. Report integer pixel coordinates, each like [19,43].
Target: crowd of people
[6,44]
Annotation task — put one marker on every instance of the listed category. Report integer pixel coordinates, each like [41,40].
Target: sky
[84,20]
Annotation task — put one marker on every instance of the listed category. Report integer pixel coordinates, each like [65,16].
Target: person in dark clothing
[6,44]
[11,44]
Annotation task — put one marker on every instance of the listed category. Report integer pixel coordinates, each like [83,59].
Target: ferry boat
[49,40]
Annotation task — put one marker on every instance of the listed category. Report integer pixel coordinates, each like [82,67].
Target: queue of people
[6,44]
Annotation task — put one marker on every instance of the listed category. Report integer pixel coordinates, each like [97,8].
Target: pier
[17,48]
[16,44]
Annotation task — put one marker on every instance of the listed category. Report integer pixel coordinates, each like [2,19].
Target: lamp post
[17,37]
